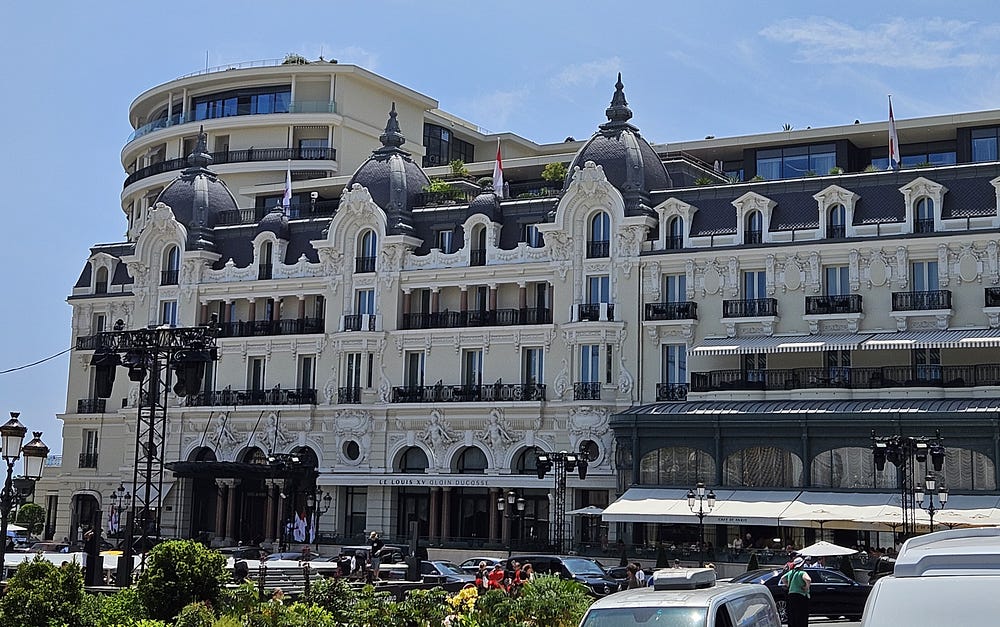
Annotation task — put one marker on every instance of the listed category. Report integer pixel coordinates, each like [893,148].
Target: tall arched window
[413,461]
[763,467]
[850,467]
[171,266]
[924,216]
[836,227]
[675,233]
[477,256]
[754,232]
[527,462]
[599,244]
[471,461]
[101,281]
[367,250]
[265,268]
[676,465]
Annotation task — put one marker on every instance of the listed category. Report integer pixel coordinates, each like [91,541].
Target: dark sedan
[832,593]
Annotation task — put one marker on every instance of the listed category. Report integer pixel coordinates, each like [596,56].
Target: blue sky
[544,70]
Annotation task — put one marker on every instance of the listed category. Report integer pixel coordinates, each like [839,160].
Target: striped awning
[777,344]
[951,338]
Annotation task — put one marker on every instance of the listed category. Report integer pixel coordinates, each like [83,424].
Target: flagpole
[895,158]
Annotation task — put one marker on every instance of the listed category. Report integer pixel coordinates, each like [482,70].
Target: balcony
[923,225]
[361,322]
[836,231]
[753,308]
[598,250]
[349,395]
[683,310]
[477,257]
[671,392]
[833,305]
[594,312]
[258,328]
[753,237]
[448,197]
[921,301]
[265,271]
[673,242]
[468,393]
[168,277]
[318,209]
[274,396]
[586,391]
[459,319]
[848,378]
[90,342]
[991,296]
[298,106]
[88,460]
[237,156]
[364,264]
[91,405]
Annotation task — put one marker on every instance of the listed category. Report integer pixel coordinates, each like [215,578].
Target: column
[465,299]
[445,513]
[253,309]
[522,295]
[231,527]
[203,316]
[494,514]
[435,299]
[493,297]
[220,507]
[269,522]
[302,307]
[435,518]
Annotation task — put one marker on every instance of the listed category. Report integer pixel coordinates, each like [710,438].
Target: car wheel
[782,610]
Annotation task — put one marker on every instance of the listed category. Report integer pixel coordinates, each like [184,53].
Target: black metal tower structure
[154,357]
[559,463]
[905,453]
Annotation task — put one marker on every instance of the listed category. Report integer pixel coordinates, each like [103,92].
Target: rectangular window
[472,368]
[924,276]
[319,310]
[534,361]
[755,366]
[926,365]
[307,372]
[90,442]
[531,236]
[796,161]
[482,298]
[208,384]
[371,370]
[754,285]
[674,288]
[365,301]
[608,367]
[674,364]
[445,241]
[598,289]
[99,323]
[414,369]
[269,309]
[590,363]
[425,301]
[984,144]
[168,313]
[838,281]
[353,370]
[255,374]
[541,295]
[355,511]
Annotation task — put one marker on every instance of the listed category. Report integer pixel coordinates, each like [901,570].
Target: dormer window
[754,233]
[101,281]
[836,227]
[264,267]
[477,256]
[924,216]
[599,241]
[367,251]
[675,234]
[171,266]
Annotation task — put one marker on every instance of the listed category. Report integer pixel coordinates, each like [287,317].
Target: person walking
[375,545]
[797,605]
[631,581]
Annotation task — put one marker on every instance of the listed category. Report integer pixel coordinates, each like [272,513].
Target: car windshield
[580,566]
[449,569]
[658,616]
[755,576]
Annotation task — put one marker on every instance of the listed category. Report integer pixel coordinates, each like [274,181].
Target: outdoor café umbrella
[825,549]
[590,510]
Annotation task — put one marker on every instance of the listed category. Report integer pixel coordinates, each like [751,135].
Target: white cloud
[587,74]
[920,44]
[493,110]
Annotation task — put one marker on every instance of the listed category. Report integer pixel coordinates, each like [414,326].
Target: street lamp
[515,511]
[698,494]
[120,502]
[930,484]
[11,435]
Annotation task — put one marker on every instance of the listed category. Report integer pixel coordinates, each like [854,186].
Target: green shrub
[555,172]
[228,621]
[294,59]
[335,596]
[40,594]
[423,607]
[553,601]
[120,608]
[32,517]
[177,573]
[703,180]
[458,168]
[836,170]
[438,185]
[238,601]
[196,615]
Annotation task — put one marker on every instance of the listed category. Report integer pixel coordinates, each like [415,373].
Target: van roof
[648,597]
[953,552]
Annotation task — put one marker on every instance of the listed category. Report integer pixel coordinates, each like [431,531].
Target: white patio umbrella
[590,510]
[825,549]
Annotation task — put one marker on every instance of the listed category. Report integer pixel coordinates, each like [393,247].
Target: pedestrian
[631,581]
[482,578]
[797,600]
[375,545]
[527,572]
[496,578]
[677,563]
[640,575]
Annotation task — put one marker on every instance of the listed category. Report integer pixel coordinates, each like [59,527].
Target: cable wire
[40,361]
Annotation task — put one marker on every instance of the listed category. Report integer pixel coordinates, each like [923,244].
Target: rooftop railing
[440,393]
[850,378]
[247,155]
[314,106]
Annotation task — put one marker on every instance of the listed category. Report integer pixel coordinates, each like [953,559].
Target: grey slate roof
[872,406]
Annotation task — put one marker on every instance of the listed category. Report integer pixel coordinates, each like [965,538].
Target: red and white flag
[895,160]
[286,200]
[498,174]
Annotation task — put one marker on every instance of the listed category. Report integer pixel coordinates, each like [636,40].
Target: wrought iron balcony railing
[477,257]
[440,393]
[598,249]
[827,305]
[168,277]
[265,271]
[753,237]
[236,156]
[88,460]
[360,322]
[255,328]
[671,392]
[749,308]
[458,319]
[921,301]
[591,312]
[853,378]
[923,225]
[235,398]
[364,264]
[836,231]
[586,391]
[349,395]
[685,310]
[674,242]
[91,405]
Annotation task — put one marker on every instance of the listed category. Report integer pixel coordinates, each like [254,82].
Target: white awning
[777,344]
[951,338]
[833,510]
[652,505]
[960,511]
[732,507]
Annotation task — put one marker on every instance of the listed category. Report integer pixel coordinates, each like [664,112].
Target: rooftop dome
[487,204]
[629,162]
[392,178]
[196,196]
[276,222]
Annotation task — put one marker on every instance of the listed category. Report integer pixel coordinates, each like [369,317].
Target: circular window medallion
[352,452]
[589,450]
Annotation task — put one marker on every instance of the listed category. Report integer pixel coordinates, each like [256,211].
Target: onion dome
[276,222]
[197,196]
[629,162]
[392,178]
[487,204]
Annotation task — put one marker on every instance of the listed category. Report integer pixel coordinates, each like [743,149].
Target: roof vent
[683,578]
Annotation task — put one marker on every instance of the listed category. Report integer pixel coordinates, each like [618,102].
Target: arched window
[367,250]
[471,461]
[965,469]
[265,268]
[101,281]
[477,256]
[599,236]
[413,461]
[676,465]
[754,232]
[924,216]
[836,227]
[254,456]
[675,233]
[202,454]
[527,462]
[307,457]
[850,467]
[171,266]
[763,467]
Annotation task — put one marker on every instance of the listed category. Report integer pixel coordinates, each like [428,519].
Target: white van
[942,578]
[686,597]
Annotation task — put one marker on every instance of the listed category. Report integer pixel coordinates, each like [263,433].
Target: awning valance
[732,507]
[950,338]
[777,344]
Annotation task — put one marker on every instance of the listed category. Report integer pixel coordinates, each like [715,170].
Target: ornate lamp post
[930,484]
[514,511]
[11,435]
[698,494]
[120,503]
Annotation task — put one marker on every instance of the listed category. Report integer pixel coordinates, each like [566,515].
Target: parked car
[832,593]
[471,565]
[946,577]
[243,552]
[583,569]
[291,555]
[441,571]
[49,547]
[685,597]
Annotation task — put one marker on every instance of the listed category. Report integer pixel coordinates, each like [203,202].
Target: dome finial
[619,112]
[392,137]
[199,157]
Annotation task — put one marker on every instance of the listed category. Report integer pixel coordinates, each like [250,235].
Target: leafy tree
[198,614]
[423,607]
[119,609]
[32,517]
[438,185]
[555,172]
[335,596]
[177,573]
[40,594]
[458,168]
[553,601]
